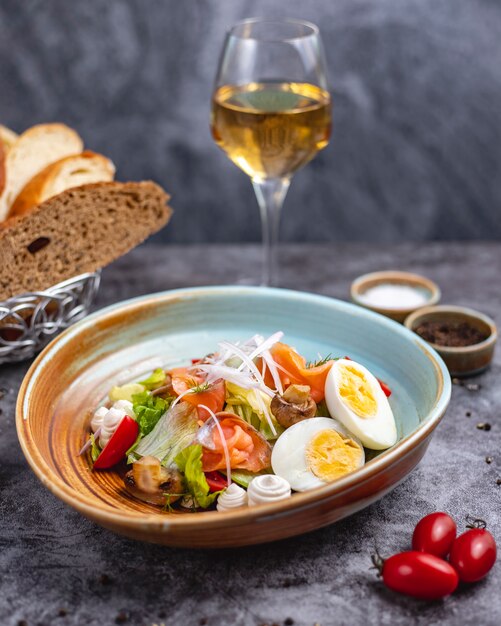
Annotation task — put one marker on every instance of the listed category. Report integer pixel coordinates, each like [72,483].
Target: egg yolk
[330,455]
[355,391]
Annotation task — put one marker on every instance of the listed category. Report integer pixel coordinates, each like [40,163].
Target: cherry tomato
[473,553]
[434,534]
[216,481]
[121,440]
[420,575]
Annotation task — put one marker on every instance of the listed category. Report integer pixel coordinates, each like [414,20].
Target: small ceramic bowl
[461,361]
[365,282]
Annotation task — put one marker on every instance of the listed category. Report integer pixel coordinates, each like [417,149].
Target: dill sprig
[200,388]
[168,506]
[320,361]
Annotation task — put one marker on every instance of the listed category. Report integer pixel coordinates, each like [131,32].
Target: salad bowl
[127,340]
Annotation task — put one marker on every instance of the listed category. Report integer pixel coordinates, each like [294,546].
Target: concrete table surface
[58,568]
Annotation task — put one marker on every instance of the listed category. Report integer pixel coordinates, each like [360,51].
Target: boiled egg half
[355,398]
[314,452]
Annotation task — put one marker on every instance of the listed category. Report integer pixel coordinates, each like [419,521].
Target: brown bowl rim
[130,520]
[410,323]
[395,276]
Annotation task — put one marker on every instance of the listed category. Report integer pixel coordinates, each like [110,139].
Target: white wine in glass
[271,111]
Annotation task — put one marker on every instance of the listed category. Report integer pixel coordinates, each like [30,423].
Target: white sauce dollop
[234,497]
[268,488]
[97,419]
[125,406]
[109,419]
[110,423]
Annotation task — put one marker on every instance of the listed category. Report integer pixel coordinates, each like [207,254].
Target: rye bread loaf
[80,230]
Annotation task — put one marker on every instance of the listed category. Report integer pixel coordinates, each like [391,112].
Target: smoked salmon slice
[297,371]
[247,448]
[212,396]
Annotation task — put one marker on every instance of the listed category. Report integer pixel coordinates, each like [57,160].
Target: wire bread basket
[29,321]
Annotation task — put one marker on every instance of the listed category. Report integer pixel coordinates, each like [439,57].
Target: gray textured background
[52,560]
[415,152]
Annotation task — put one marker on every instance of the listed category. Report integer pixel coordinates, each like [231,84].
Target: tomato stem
[377,562]
[475,522]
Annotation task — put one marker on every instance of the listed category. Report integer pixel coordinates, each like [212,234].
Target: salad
[249,424]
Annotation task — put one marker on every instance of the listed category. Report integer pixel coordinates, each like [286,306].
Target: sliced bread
[2,167]
[72,171]
[36,148]
[8,137]
[80,230]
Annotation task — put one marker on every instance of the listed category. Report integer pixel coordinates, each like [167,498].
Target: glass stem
[270,195]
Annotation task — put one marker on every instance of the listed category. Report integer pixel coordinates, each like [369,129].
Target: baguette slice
[80,230]
[8,137]
[2,167]
[72,171]
[36,148]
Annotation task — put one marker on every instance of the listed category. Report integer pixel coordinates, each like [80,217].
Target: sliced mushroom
[149,481]
[293,406]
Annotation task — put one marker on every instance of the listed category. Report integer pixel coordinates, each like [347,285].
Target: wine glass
[271,111]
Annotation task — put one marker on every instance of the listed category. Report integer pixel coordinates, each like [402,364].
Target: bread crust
[32,151]
[8,137]
[2,167]
[37,189]
[83,229]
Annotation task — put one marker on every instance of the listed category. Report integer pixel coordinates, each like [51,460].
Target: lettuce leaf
[244,477]
[156,379]
[148,410]
[174,431]
[95,450]
[322,410]
[248,404]
[189,461]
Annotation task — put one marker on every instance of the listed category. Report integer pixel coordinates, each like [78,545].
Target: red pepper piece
[121,440]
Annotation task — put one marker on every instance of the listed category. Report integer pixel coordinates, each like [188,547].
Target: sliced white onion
[246,360]
[282,369]
[231,374]
[252,367]
[265,411]
[88,443]
[223,442]
[268,359]
[266,344]
[255,340]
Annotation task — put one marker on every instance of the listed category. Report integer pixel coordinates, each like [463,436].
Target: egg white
[377,432]
[288,458]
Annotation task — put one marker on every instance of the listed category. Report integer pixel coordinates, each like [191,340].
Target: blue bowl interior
[189,323]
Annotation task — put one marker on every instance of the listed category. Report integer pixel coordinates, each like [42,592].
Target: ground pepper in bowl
[450,334]
[463,337]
